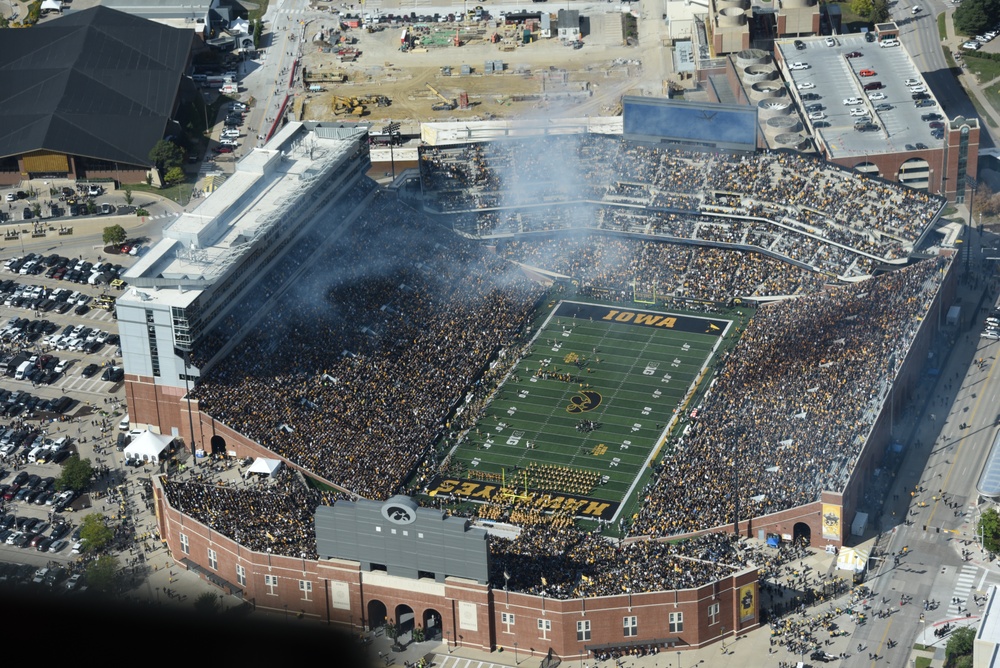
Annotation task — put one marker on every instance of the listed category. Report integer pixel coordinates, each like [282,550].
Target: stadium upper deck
[796,208]
[186,284]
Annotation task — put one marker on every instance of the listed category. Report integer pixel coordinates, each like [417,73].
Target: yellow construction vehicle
[445,104]
[348,105]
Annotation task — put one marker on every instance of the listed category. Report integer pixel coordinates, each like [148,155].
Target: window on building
[306,587]
[507,620]
[583,630]
[713,614]
[213,559]
[241,575]
[185,546]
[271,582]
[545,625]
[677,622]
[631,626]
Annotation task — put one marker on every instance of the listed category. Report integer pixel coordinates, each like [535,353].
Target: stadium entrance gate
[218,445]
[432,624]
[801,531]
[376,614]
[404,623]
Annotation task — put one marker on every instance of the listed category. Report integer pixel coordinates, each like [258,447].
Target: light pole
[516,662]
[187,393]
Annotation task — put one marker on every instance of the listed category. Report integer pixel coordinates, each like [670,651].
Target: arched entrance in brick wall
[376,614]
[404,623]
[802,532]
[218,445]
[432,624]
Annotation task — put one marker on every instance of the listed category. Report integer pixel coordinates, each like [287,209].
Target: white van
[123,425]
[33,455]
[225,141]
[22,371]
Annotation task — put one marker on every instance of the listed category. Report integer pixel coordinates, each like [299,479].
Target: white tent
[264,466]
[852,559]
[147,446]
[54,5]
[239,27]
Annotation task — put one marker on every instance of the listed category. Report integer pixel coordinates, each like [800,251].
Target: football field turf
[584,414]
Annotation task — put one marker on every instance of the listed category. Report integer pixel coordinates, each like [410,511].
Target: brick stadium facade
[457,610]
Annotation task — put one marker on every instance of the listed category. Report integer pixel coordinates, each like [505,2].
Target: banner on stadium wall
[747,602]
[831,522]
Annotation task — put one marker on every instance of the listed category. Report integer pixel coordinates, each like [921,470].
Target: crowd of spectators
[792,406]
[352,376]
[834,219]
[559,561]
[614,264]
[276,515]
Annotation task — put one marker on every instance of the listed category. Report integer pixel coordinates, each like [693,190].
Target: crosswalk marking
[963,585]
[449,661]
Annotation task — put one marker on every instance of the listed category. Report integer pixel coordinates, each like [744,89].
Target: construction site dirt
[354,74]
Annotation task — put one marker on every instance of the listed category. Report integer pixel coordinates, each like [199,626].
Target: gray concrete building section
[185,286]
[404,540]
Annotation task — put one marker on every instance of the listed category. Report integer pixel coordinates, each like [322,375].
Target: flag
[545,582]
[712,327]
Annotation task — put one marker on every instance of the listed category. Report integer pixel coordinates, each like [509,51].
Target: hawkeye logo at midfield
[583,401]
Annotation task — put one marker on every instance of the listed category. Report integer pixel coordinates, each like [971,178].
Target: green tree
[76,474]
[174,175]
[102,574]
[95,532]
[959,645]
[258,31]
[166,154]
[128,194]
[115,235]
[862,8]
[207,603]
[989,528]
[880,11]
[975,16]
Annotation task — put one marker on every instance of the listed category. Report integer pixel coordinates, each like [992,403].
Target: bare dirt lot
[542,78]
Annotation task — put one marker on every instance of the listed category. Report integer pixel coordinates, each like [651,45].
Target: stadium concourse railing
[645,236]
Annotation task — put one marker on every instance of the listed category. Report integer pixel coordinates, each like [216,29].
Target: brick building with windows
[449,598]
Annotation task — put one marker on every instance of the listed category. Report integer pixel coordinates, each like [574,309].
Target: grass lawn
[992,94]
[941,26]
[585,413]
[180,193]
[922,662]
[984,68]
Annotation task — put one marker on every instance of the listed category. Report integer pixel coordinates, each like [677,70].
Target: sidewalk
[953,41]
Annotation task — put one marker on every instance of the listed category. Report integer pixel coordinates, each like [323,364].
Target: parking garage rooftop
[832,77]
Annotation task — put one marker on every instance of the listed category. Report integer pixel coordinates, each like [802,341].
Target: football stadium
[581,393]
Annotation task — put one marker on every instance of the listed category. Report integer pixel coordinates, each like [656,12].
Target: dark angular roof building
[87,95]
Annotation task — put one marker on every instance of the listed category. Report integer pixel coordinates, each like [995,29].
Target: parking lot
[60,395]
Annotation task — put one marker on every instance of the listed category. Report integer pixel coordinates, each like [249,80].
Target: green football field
[585,412]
